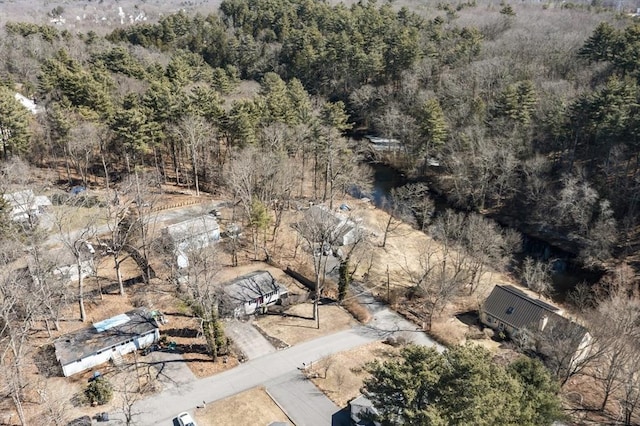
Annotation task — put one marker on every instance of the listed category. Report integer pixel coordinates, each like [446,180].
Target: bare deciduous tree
[536,275]
[74,237]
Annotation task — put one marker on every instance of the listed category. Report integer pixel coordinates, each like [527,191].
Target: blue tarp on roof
[111,322]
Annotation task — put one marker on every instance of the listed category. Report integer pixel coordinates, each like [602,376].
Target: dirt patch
[249,408]
[340,375]
[296,324]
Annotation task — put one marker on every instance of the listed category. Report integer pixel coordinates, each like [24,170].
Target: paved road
[303,402]
[160,409]
[249,340]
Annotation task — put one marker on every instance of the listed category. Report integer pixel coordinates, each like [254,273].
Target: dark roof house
[509,310]
[91,346]
[515,309]
[249,292]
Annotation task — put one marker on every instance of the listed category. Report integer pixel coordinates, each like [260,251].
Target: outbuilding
[106,340]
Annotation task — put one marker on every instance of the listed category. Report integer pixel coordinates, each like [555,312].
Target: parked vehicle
[185,419]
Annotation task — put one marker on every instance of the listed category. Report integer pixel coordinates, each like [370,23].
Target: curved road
[275,368]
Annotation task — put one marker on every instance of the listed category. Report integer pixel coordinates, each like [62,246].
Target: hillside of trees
[529,109]
[519,105]
[526,113]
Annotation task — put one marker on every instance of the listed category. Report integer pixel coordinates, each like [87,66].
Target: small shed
[25,205]
[191,234]
[106,340]
[251,292]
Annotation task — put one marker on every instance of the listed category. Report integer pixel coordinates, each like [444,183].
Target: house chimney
[543,322]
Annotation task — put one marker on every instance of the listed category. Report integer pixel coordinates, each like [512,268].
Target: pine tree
[14,124]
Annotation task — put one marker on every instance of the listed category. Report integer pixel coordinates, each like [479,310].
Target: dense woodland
[530,110]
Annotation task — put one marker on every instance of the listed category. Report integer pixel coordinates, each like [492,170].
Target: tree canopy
[461,386]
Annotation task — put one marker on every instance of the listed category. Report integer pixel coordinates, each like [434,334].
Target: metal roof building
[515,309]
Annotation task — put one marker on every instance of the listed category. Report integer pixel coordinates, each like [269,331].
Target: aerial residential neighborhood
[306,212]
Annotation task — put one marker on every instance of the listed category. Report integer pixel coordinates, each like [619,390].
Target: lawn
[297,325]
[249,408]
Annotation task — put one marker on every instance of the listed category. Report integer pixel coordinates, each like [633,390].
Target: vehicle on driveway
[185,419]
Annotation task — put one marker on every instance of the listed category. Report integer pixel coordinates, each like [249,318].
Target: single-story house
[191,234]
[510,310]
[251,292]
[362,411]
[65,267]
[105,340]
[25,205]
[341,231]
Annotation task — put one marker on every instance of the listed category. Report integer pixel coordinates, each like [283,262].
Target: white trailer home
[106,340]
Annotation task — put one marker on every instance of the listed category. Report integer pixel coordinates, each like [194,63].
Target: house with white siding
[106,340]
[191,234]
[25,206]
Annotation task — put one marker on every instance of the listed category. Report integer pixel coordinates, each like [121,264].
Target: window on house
[510,310]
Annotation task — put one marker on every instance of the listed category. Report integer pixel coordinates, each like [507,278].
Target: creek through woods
[567,273]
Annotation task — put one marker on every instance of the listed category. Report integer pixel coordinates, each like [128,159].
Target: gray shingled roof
[251,286]
[191,228]
[88,341]
[512,306]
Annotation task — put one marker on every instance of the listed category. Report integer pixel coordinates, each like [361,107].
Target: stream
[567,273]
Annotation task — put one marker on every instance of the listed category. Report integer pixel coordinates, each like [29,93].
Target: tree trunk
[195,169]
[106,170]
[119,274]
[83,314]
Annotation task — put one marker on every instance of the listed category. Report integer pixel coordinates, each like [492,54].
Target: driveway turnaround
[170,368]
[249,340]
[301,400]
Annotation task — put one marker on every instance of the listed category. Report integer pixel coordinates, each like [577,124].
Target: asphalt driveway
[303,402]
[249,340]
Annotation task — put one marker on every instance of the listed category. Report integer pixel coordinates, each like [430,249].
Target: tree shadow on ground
[470,318]
[45,360]
[181,332]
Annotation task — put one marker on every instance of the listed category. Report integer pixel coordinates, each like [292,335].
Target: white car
[185,419]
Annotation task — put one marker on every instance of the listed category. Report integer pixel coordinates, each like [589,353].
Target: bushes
[358,311]
[99,391]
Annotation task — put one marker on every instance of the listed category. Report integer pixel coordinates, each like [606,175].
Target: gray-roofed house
[191,234]
[25,205]
[343,231]
[251,292]
[510,310]
[362,411]
[106,340]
